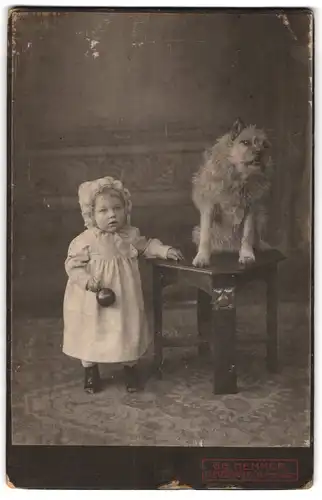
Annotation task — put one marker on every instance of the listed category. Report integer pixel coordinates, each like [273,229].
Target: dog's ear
[236,129]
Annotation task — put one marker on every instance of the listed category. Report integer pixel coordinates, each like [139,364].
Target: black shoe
[92,379]
[132,380]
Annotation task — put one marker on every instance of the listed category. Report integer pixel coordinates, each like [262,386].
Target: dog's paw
[202,259]
[246,256]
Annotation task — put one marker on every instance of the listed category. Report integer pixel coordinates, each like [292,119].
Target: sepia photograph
[160,295]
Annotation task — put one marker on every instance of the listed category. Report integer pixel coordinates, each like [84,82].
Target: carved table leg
[157,313]
[271,320]
[223,340]
[204,321]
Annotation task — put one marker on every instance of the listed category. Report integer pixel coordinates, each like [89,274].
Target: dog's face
[249,150]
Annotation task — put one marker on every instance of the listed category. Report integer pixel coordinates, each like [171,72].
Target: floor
[49,405]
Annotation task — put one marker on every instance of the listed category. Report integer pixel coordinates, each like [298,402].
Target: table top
[223,263]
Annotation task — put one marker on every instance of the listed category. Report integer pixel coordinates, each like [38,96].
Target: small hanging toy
[105,297]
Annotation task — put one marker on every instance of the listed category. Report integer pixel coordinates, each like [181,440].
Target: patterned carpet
[49,405]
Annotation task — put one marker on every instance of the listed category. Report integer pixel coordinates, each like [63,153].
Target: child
[106,256]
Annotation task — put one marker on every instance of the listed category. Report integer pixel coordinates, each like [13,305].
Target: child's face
[109,212]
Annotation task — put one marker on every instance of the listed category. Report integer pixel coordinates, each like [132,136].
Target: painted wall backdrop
[139,96]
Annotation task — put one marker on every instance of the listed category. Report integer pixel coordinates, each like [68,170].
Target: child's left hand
[174,254]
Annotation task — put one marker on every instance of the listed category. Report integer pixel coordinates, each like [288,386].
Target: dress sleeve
[149,248]
[76,262]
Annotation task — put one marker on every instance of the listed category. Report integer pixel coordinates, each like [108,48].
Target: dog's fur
[231,191]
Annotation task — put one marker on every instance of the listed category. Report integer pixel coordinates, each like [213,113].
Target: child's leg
[92,377]
[131,376]
[130,363]
[88,364]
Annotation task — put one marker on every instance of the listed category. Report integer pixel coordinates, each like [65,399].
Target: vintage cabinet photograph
[161,238]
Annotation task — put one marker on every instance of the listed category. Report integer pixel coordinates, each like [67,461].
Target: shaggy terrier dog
[231,191]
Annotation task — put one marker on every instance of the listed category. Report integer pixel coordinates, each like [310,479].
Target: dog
[231,191]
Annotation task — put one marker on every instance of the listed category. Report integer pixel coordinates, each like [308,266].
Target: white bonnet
[88,191]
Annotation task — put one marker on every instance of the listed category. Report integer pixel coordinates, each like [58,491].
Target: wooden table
[216,308]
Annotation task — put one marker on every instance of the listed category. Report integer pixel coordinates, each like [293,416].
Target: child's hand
[93,285]
[174,254]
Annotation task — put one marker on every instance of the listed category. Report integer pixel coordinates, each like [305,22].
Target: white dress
[118,333]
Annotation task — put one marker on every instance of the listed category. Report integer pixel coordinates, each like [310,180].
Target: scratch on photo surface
[287,24]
